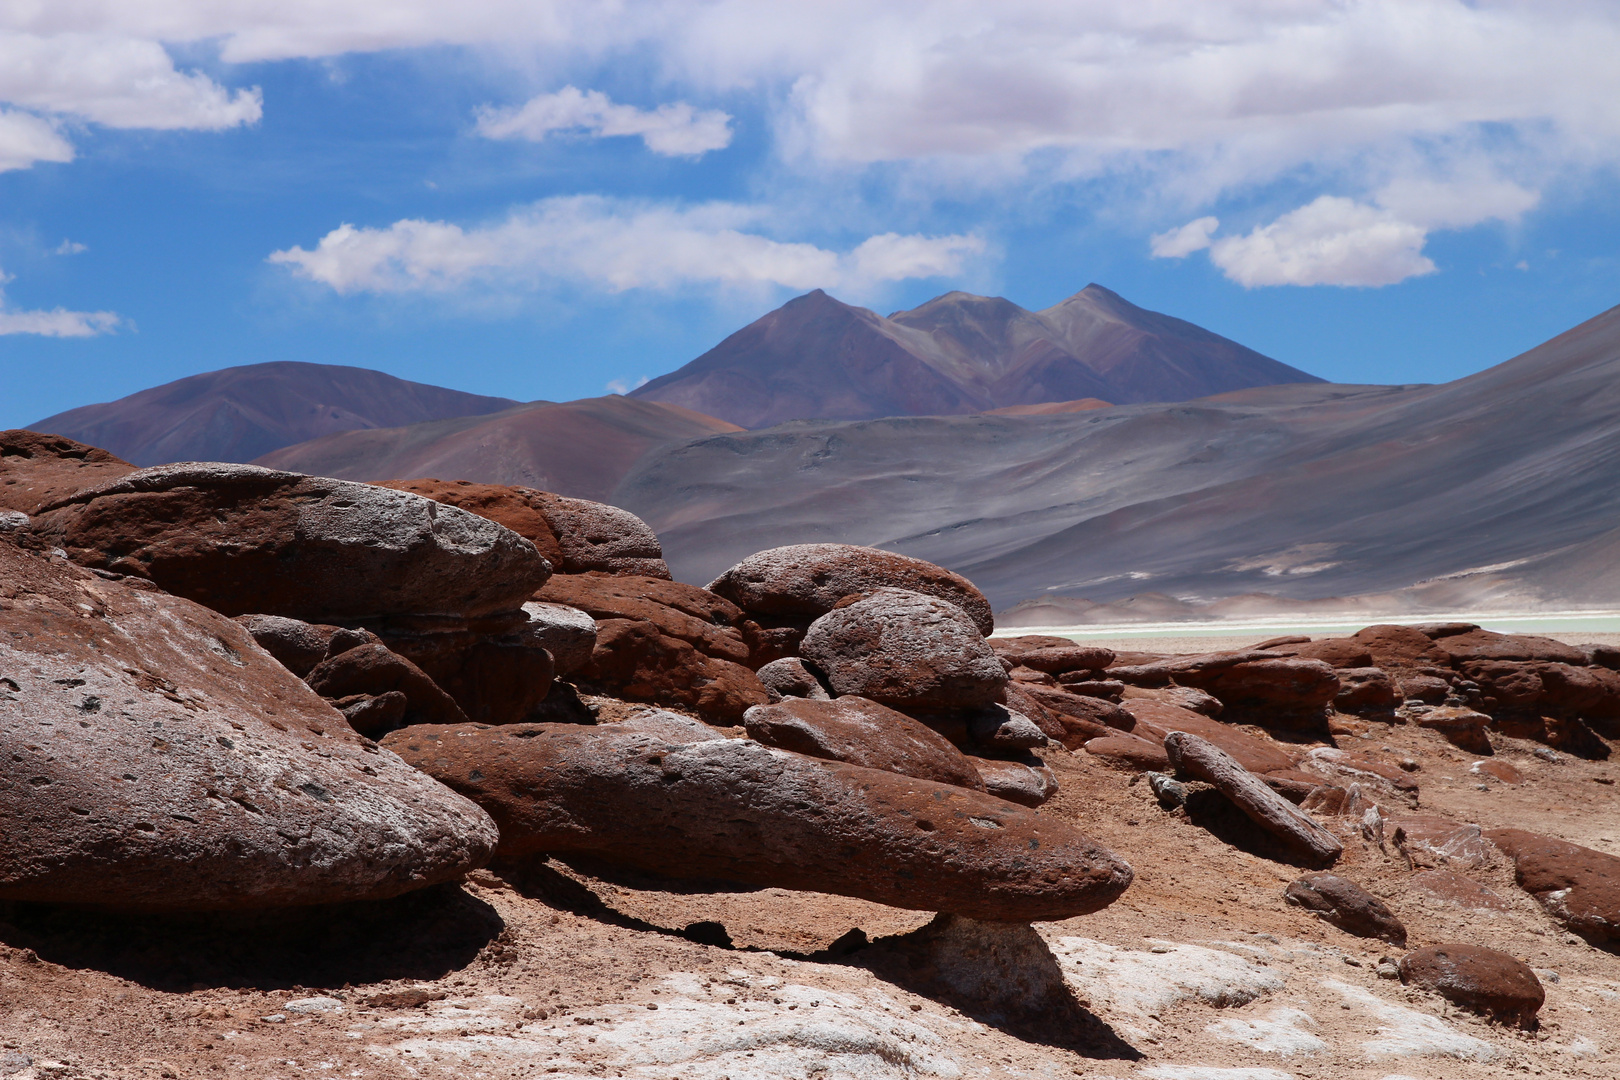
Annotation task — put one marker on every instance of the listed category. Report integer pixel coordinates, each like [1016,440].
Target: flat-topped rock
[158,759]
[245,540]
[736,810]
[808,580]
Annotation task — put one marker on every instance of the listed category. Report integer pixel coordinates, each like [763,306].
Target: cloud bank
[611,244]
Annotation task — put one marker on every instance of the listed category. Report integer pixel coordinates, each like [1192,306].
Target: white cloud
[1332,241]
[26,140]
[624,386]
[69,247]
[610,244]
[59,322]
[1179,243]
[675,129]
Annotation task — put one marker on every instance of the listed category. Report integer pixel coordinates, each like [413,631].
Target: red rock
[808,580]
[905,650]
[158,759]
[1480,644]
[1280,691]
[1063,659]
[1400,648]
[1462,727]
[1457,890]
[633,660]
[1336,652]
[1029,675]
[1147,675]
[373,670]
[497,668]
[1107,689]
[1130,751]
[1346,905]
[1026,781]
[1157,719]
[1013,647]
[1293,785]
[298,645]
[861,732]
[37,469]
[696,616]
[241,540]
[1071,719]
[1477,978]
[1271,644]
[792,677]
[1203,760]
[735,810]
[500,503]
[1576,885]
[1432,841]
[1366,690]
[1185,697]
[1499,770]
[1427,688]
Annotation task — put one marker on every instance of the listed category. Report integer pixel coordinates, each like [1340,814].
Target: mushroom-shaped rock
[861,732]
[1477,978]
[1205,761]
[737,810]
[807,580]
[1576,885]
[1348,906]
[905,650]
[158,759]
[241,539]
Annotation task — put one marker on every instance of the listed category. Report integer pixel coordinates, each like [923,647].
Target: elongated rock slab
[1204,760]
[737,810]
[861,732]
[156,758]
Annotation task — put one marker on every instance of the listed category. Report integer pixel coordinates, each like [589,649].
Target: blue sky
[539,200]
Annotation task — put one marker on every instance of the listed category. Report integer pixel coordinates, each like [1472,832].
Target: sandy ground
[1200,972]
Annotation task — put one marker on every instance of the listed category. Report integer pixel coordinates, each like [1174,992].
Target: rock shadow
[1000,974]
[537,879]
[424,935]
[1220,817]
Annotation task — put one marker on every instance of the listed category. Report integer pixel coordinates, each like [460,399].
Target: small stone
[1348,906]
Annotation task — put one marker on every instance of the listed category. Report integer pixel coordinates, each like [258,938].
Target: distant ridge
[579,448]
[240,413]
[816,357]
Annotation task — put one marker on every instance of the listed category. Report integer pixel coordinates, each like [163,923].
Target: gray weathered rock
[1026,781]
[567,633]
[792,677]
[905,650]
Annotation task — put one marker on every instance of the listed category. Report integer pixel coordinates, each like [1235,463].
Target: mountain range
[816,357]
[238,413]
[1498,488]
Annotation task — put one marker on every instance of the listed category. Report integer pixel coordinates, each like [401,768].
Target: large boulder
[1401,648]
[861,732]
[1477,644]
[158,759]
[736,810]
[633,660]
[372,671]
[1261,687]
[37,469]
[1576,885]
[1477,978]
[241,540]
[808,580]
[1203,760]
[565,632]
[905,650]
[696,616]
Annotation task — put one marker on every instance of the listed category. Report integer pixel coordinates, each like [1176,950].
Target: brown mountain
[239,413]
[816,357]
[578,448]
[1495,489]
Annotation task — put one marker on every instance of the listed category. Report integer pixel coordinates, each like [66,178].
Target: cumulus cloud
[676,129]
[58,322]
[611,244]
[1179,243]
[1332,241]
[26,140]
[69,247]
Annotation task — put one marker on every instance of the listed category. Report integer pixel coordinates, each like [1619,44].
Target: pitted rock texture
[241,540]
[861,732]
[735,810]
[1348,906]
[1063,659]
[36,469]
[808,580]
[791,677]
[1477,978]
[578,536]
[158,759]
[905,650]
[1576,885]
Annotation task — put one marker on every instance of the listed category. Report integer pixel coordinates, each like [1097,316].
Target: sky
[555,200]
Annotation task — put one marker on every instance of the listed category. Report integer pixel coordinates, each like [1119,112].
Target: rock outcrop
[735,810]
[160,760]
[37,469]
[1575,885]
